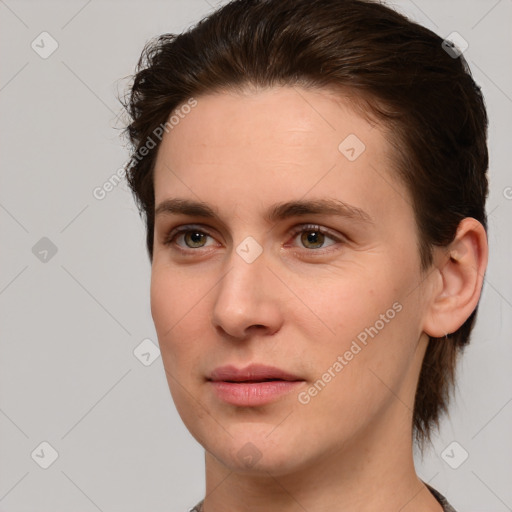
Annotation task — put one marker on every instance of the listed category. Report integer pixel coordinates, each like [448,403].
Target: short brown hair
[397,71]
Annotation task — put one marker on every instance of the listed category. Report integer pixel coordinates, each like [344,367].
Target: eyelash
[170,238]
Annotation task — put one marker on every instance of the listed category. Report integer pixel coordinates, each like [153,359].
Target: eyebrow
[279,211]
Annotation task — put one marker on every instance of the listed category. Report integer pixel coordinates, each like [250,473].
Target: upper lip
[253,372]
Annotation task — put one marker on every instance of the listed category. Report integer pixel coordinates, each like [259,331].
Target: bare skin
[301,303]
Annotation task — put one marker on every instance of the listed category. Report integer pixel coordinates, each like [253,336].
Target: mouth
[253,385]
[251,373]
[253,381]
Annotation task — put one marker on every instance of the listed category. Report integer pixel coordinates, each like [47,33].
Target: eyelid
[340,239]
[315,227]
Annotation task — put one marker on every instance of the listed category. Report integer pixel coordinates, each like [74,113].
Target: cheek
[357,382]
[163,297]
[376,361]
[341,305]
[176,308]
[365,329]
[174,296]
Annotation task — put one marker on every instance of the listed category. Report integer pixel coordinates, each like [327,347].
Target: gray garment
[437,495]
[442,500]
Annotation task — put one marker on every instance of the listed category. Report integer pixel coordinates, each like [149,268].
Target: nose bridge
[242,286]
[245,297]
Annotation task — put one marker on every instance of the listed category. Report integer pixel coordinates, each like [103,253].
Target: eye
[194,238]
[313,236]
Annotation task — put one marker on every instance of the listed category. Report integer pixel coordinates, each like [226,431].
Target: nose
[247,300]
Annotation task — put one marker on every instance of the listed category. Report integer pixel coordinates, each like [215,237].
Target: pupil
[196,237]
[312,238]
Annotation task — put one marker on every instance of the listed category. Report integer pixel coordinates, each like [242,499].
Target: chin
[253,451]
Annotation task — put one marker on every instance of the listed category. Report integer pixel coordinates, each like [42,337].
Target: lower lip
[253,393]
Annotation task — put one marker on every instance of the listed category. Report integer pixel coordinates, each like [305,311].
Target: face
[288,331]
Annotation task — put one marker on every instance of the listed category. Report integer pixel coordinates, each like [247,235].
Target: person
[312,175]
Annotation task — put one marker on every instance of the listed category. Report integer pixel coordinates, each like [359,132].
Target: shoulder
[438,496]
[441,499]
[197,508]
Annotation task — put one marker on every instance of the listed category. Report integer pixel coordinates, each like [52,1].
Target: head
[272,102]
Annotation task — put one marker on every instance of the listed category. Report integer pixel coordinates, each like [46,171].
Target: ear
[460,270]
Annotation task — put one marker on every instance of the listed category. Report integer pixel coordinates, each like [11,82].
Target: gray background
[70,324]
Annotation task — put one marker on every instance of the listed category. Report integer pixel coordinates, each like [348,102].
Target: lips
[251,373]
[252,386]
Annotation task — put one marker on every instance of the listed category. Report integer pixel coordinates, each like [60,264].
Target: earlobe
[461,266]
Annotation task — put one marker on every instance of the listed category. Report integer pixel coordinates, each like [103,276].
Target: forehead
[277,144]
[272,122]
